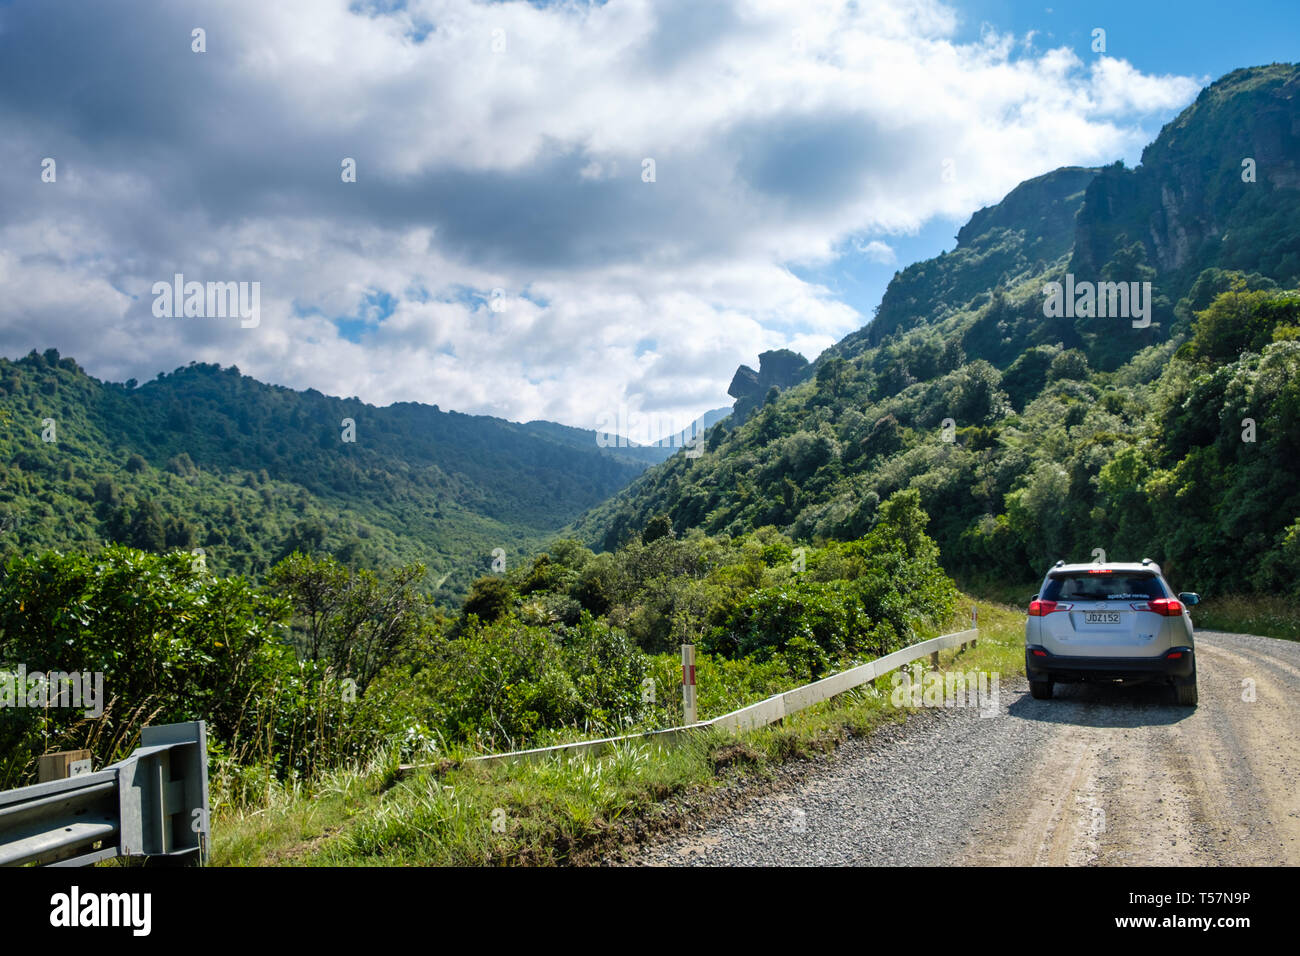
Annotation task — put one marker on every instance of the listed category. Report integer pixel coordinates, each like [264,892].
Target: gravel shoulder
[1100,775]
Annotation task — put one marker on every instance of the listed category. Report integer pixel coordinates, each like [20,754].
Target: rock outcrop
[779,369]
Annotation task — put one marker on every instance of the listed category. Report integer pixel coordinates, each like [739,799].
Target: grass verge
[565,810]
[1265,614]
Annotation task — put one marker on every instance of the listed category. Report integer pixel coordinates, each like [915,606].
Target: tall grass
[1266,614]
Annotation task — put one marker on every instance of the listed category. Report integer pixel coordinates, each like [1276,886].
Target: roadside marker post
[688,683]
[60,766]
[974,623]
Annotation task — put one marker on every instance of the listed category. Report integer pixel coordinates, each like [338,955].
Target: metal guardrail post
[154,803]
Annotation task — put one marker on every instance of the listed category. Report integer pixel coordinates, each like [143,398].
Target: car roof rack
[1059,564]
[1147,561]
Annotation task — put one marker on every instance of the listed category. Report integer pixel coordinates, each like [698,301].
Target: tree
[831,375]
[181,465]
[146,530]
[307,537]
[977,397]
[1238,321]
[106,492]
[903,513]
[1037,512]
[885,438]
[489,598]
[315,589]
[356,621]
[594,588]
[1028,374]
[657,527]
[179,533]
[1070,364]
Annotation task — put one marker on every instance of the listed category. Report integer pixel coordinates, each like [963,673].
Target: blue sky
[1196,38]
[1187,36]
[560,209]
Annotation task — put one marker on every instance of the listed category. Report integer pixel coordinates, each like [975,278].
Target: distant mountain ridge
[208,457]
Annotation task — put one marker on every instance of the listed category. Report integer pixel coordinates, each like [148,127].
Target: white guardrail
[769,711]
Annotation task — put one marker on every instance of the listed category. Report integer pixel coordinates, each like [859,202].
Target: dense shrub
[172,642]
[323,663]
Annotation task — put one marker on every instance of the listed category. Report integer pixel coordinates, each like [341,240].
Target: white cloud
[779,131]
[877,251]
[1118,87]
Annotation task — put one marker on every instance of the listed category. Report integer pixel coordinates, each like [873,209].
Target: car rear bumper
[1041,664]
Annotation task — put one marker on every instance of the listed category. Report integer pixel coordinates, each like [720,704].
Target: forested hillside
[209,458]
[1032,438]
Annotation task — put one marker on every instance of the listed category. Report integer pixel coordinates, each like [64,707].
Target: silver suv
[1110,622]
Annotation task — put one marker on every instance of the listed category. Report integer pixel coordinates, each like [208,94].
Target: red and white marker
[688,683]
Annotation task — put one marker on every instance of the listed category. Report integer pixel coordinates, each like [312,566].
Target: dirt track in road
[1099,775]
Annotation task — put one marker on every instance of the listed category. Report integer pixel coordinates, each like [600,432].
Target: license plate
[1101,617]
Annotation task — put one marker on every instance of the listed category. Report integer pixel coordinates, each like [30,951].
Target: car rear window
[1107,586]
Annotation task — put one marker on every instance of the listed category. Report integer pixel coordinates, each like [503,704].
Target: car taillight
[1039,608]
[1169,607]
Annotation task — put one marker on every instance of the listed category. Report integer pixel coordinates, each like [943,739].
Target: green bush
[172,642]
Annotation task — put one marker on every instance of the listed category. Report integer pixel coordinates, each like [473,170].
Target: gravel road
[1100,775]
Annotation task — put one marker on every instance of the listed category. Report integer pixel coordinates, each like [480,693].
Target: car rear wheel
[1041,689]
[1185,691]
